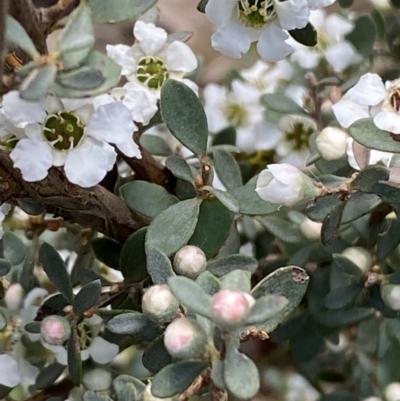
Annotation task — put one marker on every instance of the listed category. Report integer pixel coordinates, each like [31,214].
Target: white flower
[4,210]
[332,143]
[311,229]
[359,256]
[152,59]
[241,22]
[392,392]
[69,133]
[332,45]
[9,372]
[285,184]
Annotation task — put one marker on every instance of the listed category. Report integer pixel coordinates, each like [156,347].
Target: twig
[49,16]
[3,18]
[316,100]
[200,382]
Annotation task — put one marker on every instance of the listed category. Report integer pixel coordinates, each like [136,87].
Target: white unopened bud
[55,330]
[97,379]
[391,296]
[285,184]
[190,261]
[232,306]
[392,392]
[332,143]
[372,399]
[311,229]
[148,396]
[185,338]
[159,304]
[359,256]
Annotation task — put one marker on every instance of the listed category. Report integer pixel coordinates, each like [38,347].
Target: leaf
[49,375]
[191,295]
[5,267]
[158,266]
[133,257]
[387,192]
[172,228]
[343,296]
[184,115]
[146,198]
[290,282]
[369,176]
[282,229]
[342,318]
[346,3]
[33,327]
[307,36]
[240,374]
[322,206]
[176,378]
[202,6]
[128,388]
[84,78]
[213,227]
[38,83]
[281,103]
[31,207]
[388,240]
[13,248]
[395,3]
[225,198]
[179,168]
[364,34]
[365,132]
[16,34]
[238,280]
[74,359]
[104,11]
[359,205]
[222,266]
[94,396]
[56,270]
[331,224]
[227,169]
[107,251]
[156,356]
[87,297]
[265,308]
[209,283]
[346,266]
[77,38]
[155,145]
[249,201]
[226,136]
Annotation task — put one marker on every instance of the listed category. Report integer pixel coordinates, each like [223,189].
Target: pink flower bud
[184,338]
[232,305]
[159,304]
[55,330]
[190,261]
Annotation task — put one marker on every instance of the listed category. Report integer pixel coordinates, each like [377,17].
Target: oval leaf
[87,297]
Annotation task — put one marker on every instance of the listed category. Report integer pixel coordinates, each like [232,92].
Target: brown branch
[96,208]
[60,390]
[201,381]
[49,16]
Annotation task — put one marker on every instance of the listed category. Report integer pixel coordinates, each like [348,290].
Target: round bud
[392,392]
[311,229]
[55,330]
[159,304]
[97,379]
[148,396]
[332,143]
[185,338]
[391,296]
[359,256]
[190,261]
[232,306]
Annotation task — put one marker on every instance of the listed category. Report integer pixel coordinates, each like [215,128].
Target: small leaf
[209,283]
[322,206]
[307,36]
[184,115]
[222,266]
[172,228]
[240,374]
[74,359]
[346,266]
[226,136]
[364,34]
[82,79]
[93,396]
[341,318]
[179,168]
[38,83]
[155,145]
[5,267]
[202,6]
[128,388]
[370,175]
[87,297]
[158,266]
[281,103]
[346,3]
[238,280]
[225,198]
[33,327]
[331,224]
[31,207]
[359,205]
[343,296]
[133,257]
[282,229]
[176,378]
[227,169]
[107,251]
[56,270]
[388,240]
[16,34]
[49,375]
[146,198]
[265,308]
[13,248]
[156,356]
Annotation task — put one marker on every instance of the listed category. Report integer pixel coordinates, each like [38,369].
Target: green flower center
[9,141]
[85,334]
[152,72]
[236,114]
[298,135]
[63,130]
[256,13]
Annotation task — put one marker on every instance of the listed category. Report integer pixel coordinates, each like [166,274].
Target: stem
[3,18]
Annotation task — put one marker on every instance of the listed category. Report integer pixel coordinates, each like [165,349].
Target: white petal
[151,38]
[350,154]
[142,105]
[378,156]
[34,131]
[341,55]
[368,91]
[111,123]
[33,158]
[285,173]
[130,149]
[272,44]
[9,374]
[103,351]
[191,85]
[111,155]
[22,112]
[123,56]
[180,57]
[86,165]
[105,98]
[388,121]
[53,104]
[220,11]
[347,112]
[28,372]
[59,158]
[337,26]
[267,135]
[313,4]
[292,14]
[231,39]
[264,178]
[307,58]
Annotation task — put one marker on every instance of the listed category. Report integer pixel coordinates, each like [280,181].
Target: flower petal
[103,351]
[368,91]
[388,121]
[292,14]
[347,112]
[180,57]
[9,374]
[220,11]
[150,37]
[123,56]
[314,4]
[272,44]
[341,55]
[33,158]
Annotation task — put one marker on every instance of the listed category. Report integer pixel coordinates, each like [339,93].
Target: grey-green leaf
[131,323]
[281,103]
[5,267]
[180,168]
[13,248]
[227,169]
[266,308]
[158,266]
[49,375]
[74,359]
[38,83]
[17,35]
[156,356]
[87,297]
[221,266]
[107,251]
[155,145]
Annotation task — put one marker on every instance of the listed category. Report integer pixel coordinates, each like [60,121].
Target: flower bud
[185,338]
[391,296]
[392,392]
[55,330]
[359,256]
[190,261]
[311,229]
[232,306]
[148,396]
[97,379]
[285,184]
[159,304]
[332,143]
